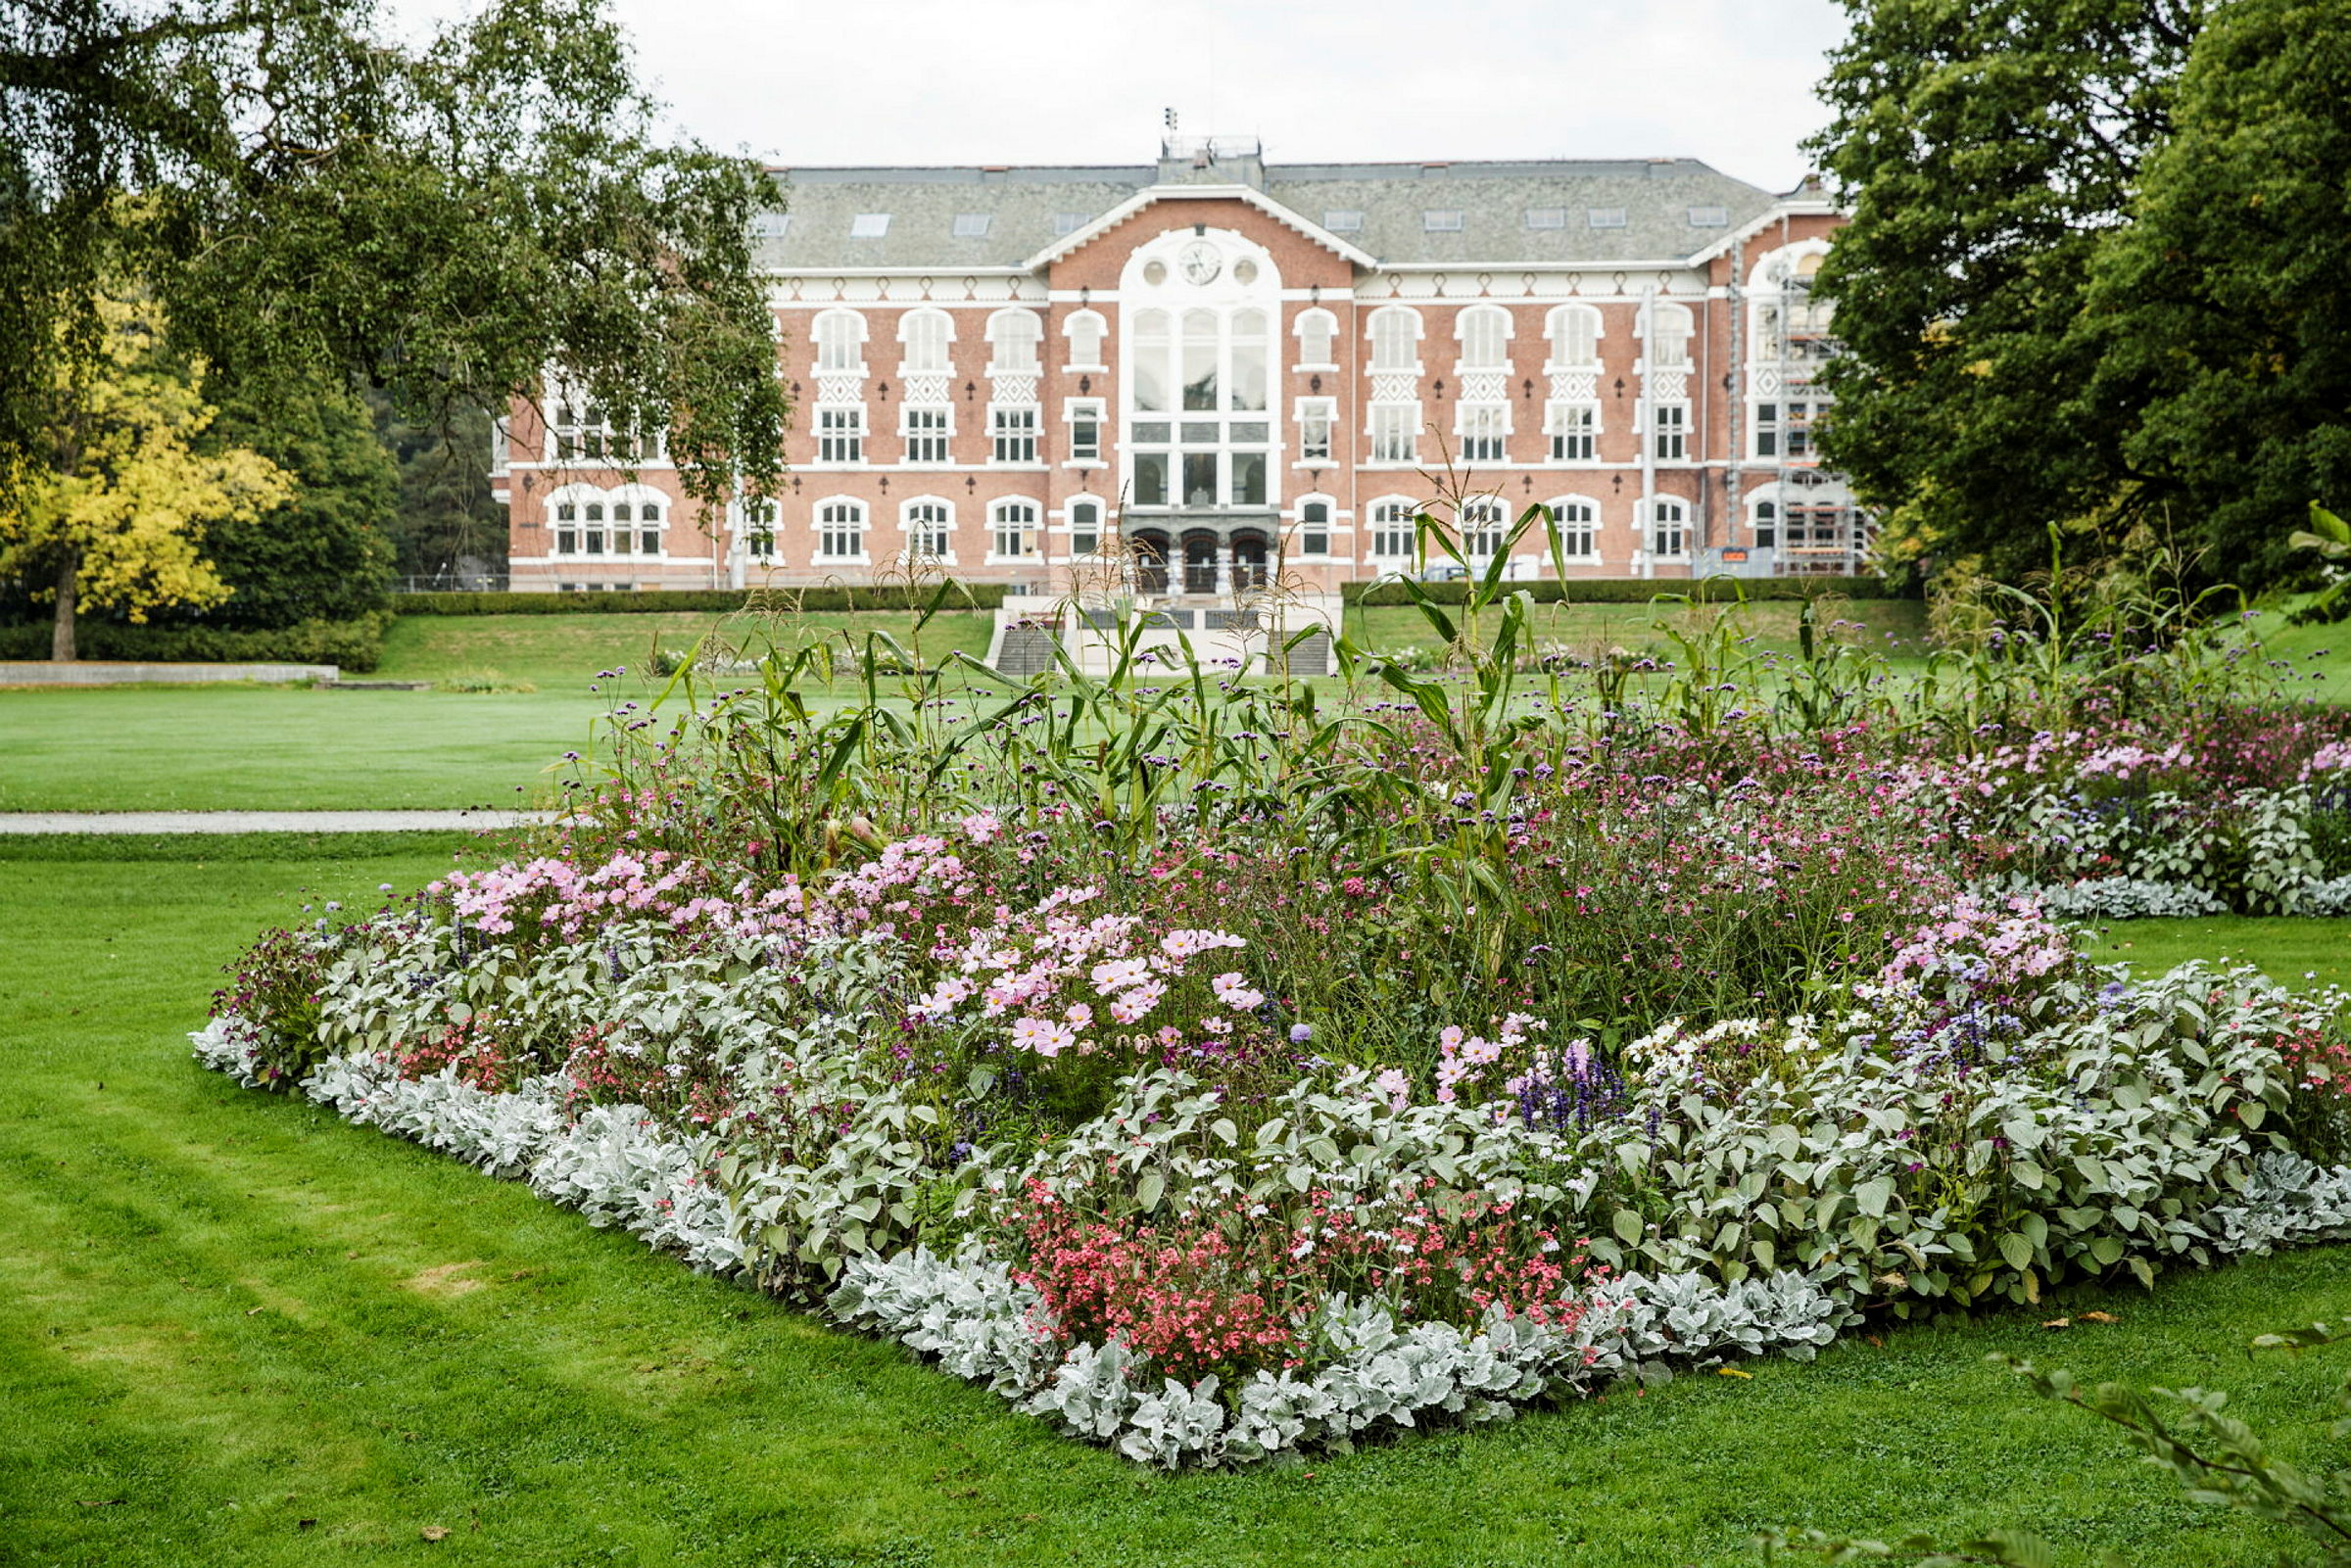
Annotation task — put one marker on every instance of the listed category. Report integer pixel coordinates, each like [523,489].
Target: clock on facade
[1200,262]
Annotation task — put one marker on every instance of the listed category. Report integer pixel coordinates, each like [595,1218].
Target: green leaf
[2017,1250]
[1873,1195]
[1150,1189]
[1627,1227]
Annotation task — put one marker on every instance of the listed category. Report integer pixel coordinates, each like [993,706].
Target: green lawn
[1894,626]
[564,653]
[2292,952]
[236,1331]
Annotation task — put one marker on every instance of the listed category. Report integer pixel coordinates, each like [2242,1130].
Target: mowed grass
[1894,627]
[564,653]
[2299,953]
[237,1331]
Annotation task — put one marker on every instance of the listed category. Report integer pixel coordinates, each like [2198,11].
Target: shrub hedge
[649,601]
[354,644]
[1633,589]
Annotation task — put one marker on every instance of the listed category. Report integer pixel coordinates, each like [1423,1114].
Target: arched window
[1148,361]
[1396,338]
[1250,344]
[756,531]
[1668,524]
[1014,335]
[839,341]
[1012,529]
[1574,333]
[1578,519]
[924,336]
[1085,527]
[840,530]
[1313,526]
[1317,330]
[1669,335]
[1200,361]
[1086,330]
[927,521]
[1484,522]
[1392,529]
[1484,331]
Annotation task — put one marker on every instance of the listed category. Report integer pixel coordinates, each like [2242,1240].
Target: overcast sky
[1085,81]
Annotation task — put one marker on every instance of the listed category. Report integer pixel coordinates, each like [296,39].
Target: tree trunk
[61,642]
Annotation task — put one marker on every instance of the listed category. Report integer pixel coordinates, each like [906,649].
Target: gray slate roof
[1639,210]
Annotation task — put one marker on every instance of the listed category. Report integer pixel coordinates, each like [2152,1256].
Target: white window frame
[1573,528]
[835,356]
[837,517]
[1311,412]
[999,513]
[928,317]
[1669,435]
[756,525]
[1074,330]
[917,442]
[1393,524]
[1567,441]
[1328,526]
[1683,325]
[1016,329]
[1482,432]
[1074,413]
[1559,339]
[1313,323]
[1409,321]
[1080,531]
[1479,322]
[942,528]
[1659,529]
[1012,435]
[1395,432]
[841,434]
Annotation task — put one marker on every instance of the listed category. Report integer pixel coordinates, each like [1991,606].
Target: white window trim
[1069,331]
[996,512]
[1556,503]
[1331,337]
[996,366]
[817,527]
[1070,408]
[1371,364]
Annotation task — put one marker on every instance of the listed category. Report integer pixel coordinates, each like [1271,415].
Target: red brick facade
[1209,449]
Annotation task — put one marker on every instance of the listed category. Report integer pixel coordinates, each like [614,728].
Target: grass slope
[2297,953]
[240,1332]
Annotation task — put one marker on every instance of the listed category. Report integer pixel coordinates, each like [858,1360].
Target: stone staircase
[1027,650]
[1312,656]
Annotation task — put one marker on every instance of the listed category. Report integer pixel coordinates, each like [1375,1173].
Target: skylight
[972,226]
[1345,220]
[869,225]
[1068,222]
[1605,217]
[1442,221]
[1710,216]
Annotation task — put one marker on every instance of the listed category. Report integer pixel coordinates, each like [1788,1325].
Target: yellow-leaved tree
[114,515]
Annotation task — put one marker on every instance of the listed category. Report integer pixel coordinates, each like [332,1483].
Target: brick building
[1209,367]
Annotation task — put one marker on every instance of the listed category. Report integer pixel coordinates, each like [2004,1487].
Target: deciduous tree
[113,510]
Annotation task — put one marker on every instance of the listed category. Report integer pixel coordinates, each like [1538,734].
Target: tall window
[1482,427]
[1392,533]
[1317,330]
[840,341]
[1085,330]
[1673,431]
[925,523]
[1150,361]
[924,336]
[582,431]
[592,533]
[1314,527]
[1085,527]
[1574,432]
[841,531]
[1316,416]
[1767,525]
[1013,528]
[1012,432]
[1395,338]
[1250,347]
[1485,334]
[649,528]
[759,530]
[1085,430]
[841,434]
[1785,429]
[1578,531]
[1013,337]
[1666,532]
[926,430]
[1669,336]
[1394,427]
[1483,525]
[1574,333]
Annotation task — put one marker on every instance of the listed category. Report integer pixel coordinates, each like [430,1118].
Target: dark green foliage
[648,601]
[325,555]
[1984,150]
[446,223]
[1626,589]
[354,644]
[445,517]
[2221,316]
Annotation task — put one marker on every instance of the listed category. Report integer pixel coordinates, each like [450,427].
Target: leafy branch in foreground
[2217,1459]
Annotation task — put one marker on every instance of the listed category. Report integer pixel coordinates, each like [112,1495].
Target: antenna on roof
[1170,115]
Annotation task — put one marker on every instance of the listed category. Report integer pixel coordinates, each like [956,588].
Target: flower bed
[1216,1078]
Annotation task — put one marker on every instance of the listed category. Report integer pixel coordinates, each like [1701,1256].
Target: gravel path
[262,821]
